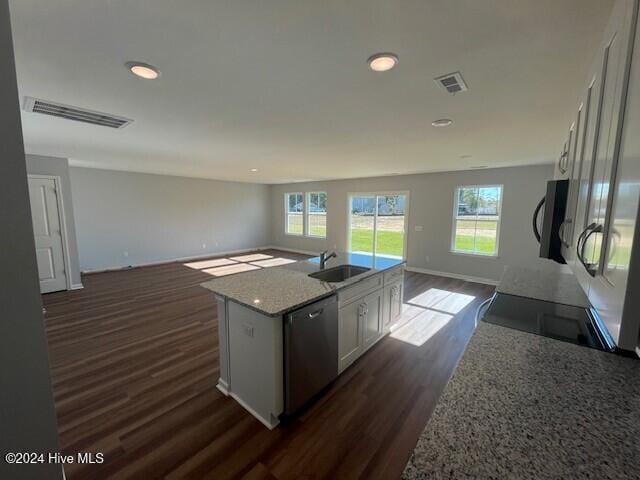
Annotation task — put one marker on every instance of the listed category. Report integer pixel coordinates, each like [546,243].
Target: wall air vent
[46,107]
[452,82]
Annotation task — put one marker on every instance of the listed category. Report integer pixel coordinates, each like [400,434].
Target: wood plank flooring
[134,363]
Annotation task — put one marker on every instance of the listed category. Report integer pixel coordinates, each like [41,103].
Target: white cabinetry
[367,309]
[614,285]
[255,362]
[371,318]
[392,304]
[360,326]
[350,333]
[604,191]
[614,70]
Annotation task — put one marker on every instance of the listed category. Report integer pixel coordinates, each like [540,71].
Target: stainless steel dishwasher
[310,351]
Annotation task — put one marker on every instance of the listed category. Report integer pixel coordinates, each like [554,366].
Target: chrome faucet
[324,258]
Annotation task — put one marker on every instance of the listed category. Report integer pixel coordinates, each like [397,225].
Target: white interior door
[48,234]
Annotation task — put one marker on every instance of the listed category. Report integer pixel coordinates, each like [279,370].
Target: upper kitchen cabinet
[572,168]
[600,220]
[614,70]
[615,284]
[580,188]
[562,167]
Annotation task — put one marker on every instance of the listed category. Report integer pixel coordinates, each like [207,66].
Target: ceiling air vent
[46,107]
[452,82]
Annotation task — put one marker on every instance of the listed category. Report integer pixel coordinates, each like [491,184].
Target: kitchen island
[257,313]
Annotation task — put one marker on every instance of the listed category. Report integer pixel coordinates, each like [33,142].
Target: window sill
[475,255]
[300,235]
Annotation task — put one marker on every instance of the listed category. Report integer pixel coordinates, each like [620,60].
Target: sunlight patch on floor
[220,267]
[252,257]
[421,328]
[429,298]
[426,314]
[408,313]
[230,270]
[216,262]
[442,300]
[273,262]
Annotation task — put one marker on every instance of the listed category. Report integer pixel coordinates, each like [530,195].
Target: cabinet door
[613,91]
[392,305]
[576,164]
[372,324]
[350,333]
[611,287]
[561,168]
[584,176]
[386,307]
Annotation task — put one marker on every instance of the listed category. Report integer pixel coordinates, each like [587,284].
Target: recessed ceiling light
[143,70]
[442,122]
[254,169]
[382,62]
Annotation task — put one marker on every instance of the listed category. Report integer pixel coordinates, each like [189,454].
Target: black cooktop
[562,322]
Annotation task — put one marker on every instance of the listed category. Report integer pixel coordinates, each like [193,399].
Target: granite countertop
[551,283]
[277,290]
[530,407]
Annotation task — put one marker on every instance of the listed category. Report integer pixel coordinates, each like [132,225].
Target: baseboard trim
[179,259]
[76,286]
[223,387]
[269,423]
[468,278]
[292,250]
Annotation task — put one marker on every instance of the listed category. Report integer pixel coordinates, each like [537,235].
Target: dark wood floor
[134,363]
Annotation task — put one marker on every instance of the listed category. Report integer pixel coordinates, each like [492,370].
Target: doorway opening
[378,224]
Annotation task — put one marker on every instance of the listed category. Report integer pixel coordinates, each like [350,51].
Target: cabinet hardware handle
[579,243]
[580,238]
[536,213]
[316,313]
[582,243]
[561,233]
[561,162]
[614,236]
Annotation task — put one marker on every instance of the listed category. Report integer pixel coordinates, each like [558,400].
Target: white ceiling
[283,85]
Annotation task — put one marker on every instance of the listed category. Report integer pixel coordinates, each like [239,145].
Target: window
[377,224]
[476,219]
[317,214]
[306,214]
[294,206]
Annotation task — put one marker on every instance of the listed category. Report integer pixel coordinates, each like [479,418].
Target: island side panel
[256,362]
[223,345]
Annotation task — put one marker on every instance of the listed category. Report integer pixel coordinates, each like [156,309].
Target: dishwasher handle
[315,314]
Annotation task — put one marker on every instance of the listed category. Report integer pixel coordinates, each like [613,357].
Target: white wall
[431,206]
[27,416]
[159,217]
[59,167]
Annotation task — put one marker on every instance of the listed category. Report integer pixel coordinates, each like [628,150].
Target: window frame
[454,222]
[286,214]
[376,194]
[307,203]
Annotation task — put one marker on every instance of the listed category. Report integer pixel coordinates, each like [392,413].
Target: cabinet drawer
[393,275]
[350,294]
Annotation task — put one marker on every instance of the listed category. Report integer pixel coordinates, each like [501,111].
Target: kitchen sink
[339,274]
